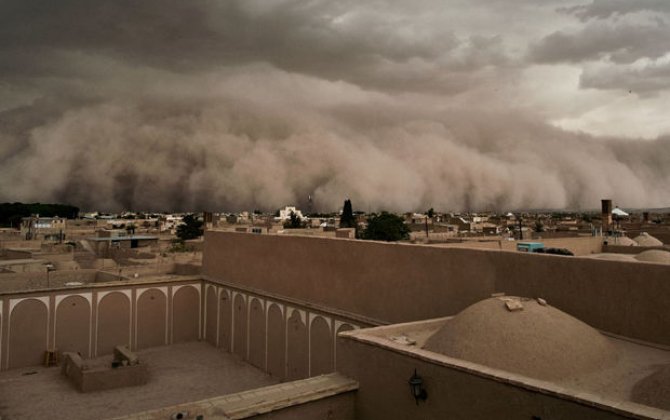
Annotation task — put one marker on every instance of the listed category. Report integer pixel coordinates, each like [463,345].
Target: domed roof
[645,239]
[537,340]
[623,241]
[654,255]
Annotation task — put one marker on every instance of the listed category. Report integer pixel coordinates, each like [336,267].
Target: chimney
[607,215]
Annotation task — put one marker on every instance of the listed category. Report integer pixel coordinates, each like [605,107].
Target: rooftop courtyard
[178,373]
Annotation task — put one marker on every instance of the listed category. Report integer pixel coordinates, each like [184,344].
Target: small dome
[622,240]
[645,239]
[538,340]
[654,255]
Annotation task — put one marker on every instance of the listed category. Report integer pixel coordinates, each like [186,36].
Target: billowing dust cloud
[241,105]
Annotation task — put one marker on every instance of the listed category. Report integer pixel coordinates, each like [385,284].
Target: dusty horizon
[458,105]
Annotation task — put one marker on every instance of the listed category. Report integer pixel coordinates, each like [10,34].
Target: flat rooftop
[124,238]
[21,261]
[179,373]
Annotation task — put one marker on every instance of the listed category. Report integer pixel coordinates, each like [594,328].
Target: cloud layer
[227,105]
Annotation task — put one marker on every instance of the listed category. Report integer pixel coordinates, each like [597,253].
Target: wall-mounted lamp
[416,387]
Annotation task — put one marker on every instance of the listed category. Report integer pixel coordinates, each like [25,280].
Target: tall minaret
[607,215]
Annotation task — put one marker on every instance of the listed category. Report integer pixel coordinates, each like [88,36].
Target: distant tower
[208,220]
[607,215]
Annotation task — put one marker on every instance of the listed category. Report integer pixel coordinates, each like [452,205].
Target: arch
[321,349]
[185,315]
[113,326]
[211,309]
[276,342]
[28,322]
[225,321]
[151,319]
[340,328]
[297,347]
[240,327]
[73,325]
[257,333]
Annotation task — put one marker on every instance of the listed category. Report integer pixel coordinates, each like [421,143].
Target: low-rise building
[46,228]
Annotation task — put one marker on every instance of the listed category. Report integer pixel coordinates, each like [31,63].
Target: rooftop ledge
[257,401]
[381,336]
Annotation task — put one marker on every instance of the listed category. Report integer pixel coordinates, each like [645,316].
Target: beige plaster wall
[625,298]
[390,282]
[152,313]
[384,392]
[113,318]
[399,283]
[185,315]
[29,331]
[92,320]
[578,245]
[337,407]
[621,249]
[73,326]
[284,338]
[38,280]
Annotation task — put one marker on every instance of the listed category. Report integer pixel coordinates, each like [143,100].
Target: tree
[430,213]
[386,227]
[294,222]
[348,220]
[11,213]
[190,229]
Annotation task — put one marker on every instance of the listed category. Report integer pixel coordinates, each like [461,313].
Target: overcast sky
[398,105]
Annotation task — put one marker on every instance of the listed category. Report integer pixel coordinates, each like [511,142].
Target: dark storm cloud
[619,43]
[647,80]
[240,104]
[624,44]
[603,9]
[359,42]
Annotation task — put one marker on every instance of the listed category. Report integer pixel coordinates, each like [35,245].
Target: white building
[285,214]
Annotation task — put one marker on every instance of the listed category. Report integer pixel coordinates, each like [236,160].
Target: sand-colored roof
[645,239]
[623,241]
[538,341]
[654,390]
[654,255]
